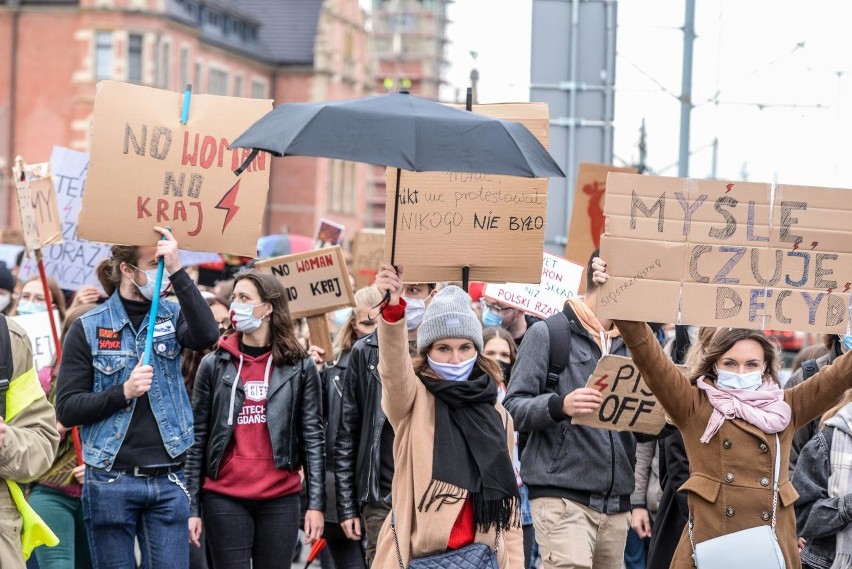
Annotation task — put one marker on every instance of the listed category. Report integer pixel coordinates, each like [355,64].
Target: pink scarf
[764,407]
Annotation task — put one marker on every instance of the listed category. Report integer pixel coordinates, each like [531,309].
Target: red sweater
[247,469]
[463,531]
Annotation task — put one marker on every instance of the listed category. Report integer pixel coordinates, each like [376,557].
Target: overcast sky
[782,70]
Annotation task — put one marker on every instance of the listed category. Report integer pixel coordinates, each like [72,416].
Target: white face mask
[147,290]
[731,380]
[453,372]
[243,319]
[414,309]
[29,307]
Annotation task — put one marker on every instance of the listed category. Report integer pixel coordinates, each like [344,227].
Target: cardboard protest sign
[37,327]
[560,280]
[73,263]
[737,254]
[328,234]
[368,250]
[587,213]
[147,169]
[316,282]
[492,224]
[628,404]
[36,195]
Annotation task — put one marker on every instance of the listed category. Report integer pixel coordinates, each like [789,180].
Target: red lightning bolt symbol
[829,290]
[67,209]
[847,285]
[730,187]
[228,202]
[814,244]
[796,245]
[600,383]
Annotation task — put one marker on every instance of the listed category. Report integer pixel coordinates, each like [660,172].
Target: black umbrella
[402,131]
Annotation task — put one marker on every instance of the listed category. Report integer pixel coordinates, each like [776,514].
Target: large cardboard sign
[737,254]
[493,224]
[73,263]
[587,213]
[560,280]
[37,209]
[37,327]
[368,250]
[628,404]
[147,169]
[316,282]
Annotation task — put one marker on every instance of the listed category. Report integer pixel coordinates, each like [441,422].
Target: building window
[218,82]
[258,90]
[134,58]
[196,86]
[238,85]
[103,55]
[184,67]
[165,65]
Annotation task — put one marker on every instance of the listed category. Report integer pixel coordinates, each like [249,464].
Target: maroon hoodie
[247,469]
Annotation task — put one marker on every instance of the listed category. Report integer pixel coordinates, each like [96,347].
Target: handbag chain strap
[774,496]
[399,555]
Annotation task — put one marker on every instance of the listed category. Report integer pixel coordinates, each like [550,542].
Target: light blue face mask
[339,317]
[414,309]
[731,380]
[147,289]
[846,342]
[491,318]
[29,307]
[453,372]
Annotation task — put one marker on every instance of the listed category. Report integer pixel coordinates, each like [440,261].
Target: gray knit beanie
[449,315]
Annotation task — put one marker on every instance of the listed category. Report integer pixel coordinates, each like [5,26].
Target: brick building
[54,53]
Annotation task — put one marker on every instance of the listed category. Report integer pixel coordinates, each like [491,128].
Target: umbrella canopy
[403,131]
[283,244]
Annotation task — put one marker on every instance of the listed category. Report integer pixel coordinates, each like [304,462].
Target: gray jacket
[819,517]
[648,491]
[585,464]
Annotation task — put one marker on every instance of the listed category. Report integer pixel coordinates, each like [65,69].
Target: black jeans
[250,534]
[347,554]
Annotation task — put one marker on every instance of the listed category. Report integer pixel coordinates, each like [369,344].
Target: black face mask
[507,371]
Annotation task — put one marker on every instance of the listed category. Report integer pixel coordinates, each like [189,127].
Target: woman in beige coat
[454,483]
[728,411]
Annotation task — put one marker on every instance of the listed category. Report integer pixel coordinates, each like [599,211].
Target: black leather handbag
[473,556]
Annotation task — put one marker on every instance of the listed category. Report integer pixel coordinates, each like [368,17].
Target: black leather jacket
[293,415]
[332,384]
[357,447]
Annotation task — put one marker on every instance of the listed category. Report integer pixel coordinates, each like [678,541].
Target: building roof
[289,29]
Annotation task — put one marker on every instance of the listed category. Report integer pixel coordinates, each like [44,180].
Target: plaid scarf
[840,480]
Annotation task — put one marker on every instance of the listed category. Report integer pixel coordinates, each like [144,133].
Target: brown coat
[410,408]
[730,483]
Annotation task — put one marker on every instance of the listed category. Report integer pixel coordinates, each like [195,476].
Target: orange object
[316,549]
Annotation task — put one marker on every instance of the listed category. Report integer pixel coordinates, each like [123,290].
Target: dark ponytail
[109,270]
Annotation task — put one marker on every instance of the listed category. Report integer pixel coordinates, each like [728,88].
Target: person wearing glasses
[511,319]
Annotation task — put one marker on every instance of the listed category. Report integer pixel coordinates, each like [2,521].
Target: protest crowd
[255,410]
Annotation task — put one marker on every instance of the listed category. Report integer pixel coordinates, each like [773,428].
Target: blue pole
[152,318]
[187,95]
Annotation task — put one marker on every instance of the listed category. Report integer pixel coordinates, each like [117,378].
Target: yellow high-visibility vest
[23,391]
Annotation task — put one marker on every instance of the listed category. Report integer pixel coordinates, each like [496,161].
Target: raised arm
[398,380]
[819,393]
[671,388]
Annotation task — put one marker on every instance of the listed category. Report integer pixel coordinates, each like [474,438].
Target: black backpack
[809,369]
[560,348]
[6,364]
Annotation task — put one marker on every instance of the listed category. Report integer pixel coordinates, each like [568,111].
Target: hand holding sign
[582,401]
[167,249]
[139,381]
[389,281]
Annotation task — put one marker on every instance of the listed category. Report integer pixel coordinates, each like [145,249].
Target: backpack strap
[809,368]
[6,363]
[560,348]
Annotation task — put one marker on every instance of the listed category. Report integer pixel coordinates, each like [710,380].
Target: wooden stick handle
[320,336]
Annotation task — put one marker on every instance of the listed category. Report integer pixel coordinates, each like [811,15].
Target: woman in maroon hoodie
[258,416]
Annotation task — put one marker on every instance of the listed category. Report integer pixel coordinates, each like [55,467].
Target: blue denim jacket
[116,350]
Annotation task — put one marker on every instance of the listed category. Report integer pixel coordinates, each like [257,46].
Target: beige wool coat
[410,408]
[730,483]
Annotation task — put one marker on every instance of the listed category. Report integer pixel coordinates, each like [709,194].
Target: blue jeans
[636,551]
[119,507]
[64,515]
